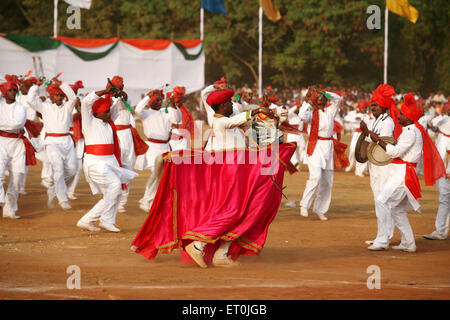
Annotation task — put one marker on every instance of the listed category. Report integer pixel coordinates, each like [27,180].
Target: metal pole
[260,51]
[55,19]
[202,16]
[386,26]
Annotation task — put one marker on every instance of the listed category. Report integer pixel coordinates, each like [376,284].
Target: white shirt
[95,131]
[31,113]
[323,152]
[409,145]
[12,116]
[226,133]
[383,126]
[157,123]
[121,116]
[56,119]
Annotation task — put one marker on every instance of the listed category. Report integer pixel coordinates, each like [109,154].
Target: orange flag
[270,11]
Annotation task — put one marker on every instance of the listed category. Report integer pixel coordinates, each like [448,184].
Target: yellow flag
[270,11]
[403,8]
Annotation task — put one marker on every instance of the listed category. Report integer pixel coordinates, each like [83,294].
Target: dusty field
[304,258]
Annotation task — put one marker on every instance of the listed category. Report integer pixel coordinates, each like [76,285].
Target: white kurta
[383,126]
[409,149]
[226,133]
[157,124]
[12,154]
[322,156]
[103,173]
[321,162]
[60,150]
[442,122]
[123,116]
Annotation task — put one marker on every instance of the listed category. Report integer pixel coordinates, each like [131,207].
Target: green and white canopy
[143,63]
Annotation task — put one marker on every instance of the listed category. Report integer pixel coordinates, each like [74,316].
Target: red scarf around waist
[158,141]
[411,179]
[108,149]
[30,159]
[33,128]
[444,134]
[47,134]
[140,147]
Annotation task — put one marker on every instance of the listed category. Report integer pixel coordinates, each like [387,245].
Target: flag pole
[202,15]
[55,19]
[386,26]
[260,51]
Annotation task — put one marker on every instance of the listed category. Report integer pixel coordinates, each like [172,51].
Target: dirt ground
[303,258]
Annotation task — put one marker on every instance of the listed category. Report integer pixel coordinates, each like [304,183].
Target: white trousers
[12,193]
[401,222]
[319,184]
[153,183]
[106,209]
[63,160]
[442,216]
[76,179]
[385,225]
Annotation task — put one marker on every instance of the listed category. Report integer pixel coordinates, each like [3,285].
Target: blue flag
[214,6]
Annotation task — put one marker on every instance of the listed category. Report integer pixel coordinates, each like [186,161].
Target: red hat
[362,104]
[103,104]
[77,85]
[447,107]
[178,93]
[219,96]
[154,94]
[382,96]
[410,109]
[117,81]
[12,82]
[269,88]
[53,89]
[273,99]
[222,80]
[29,81]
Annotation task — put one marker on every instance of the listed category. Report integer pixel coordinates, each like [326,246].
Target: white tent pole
[55,19]
[260,51]
[386,26]
[202,13]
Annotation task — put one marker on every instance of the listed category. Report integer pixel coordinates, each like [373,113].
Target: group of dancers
[97,134]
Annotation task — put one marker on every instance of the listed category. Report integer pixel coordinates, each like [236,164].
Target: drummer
[382,125]
[402,190]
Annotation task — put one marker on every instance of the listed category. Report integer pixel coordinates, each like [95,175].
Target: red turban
[154,95]
[410,109]
[269,88]
[447,107]
[222,80]
[178,93]
[53,89]
[219,96]
[382,96]
[8,85]
[362,104]
[30,81]
[77,85]
[117,81]
[102,104]
[273,99]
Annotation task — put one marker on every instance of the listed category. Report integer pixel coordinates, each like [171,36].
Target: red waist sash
[30,159]
[100,149]
[358,130]
[323,138]
[123,126]
[157,141]
[56,134]
[446,135]
[411,179]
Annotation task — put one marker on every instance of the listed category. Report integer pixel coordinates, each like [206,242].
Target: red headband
[117,81]
[410,109]
[219,96]
[77,85]
[53,89]
[103,104]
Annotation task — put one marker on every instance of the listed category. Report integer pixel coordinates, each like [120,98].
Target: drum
[361,149]
[377,155]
